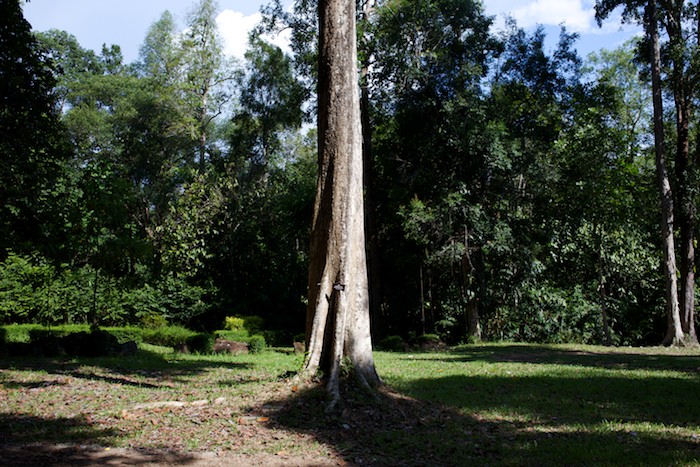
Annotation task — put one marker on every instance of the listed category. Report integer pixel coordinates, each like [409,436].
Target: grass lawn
[499,404]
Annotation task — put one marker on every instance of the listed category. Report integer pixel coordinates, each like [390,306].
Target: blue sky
[124,22]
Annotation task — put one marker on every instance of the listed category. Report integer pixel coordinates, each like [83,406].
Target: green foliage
[34,148]
[201,342]
[256,343]
[33,291]
[125,334]
[19,333]
[153,321]
[234,323]
[253,324]
[169,336]
[500,180]
[392,344]
[428,339]
[239,335]
[67,340]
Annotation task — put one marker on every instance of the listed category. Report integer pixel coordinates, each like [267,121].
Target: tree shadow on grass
[615,358]
[562,418]
[145,369]
[578,421]
[38,441]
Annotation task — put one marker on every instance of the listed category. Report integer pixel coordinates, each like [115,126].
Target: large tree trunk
[337,322]
[674,332]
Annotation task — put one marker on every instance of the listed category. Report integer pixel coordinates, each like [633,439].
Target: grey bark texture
[674,332]
[338,320]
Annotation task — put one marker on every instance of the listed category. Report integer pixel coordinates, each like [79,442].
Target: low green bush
[253,324]
[154,320]
[126,334]
[233,323]
[19,333]
[392,344]
[429,339]
[168,336]
[277,338]
[240,335]
[256,343]
[201,342]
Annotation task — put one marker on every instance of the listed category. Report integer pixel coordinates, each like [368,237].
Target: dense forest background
[510,190]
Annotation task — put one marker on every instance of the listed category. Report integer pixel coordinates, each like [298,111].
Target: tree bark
[674,332]
[602,295]
[338,323]
[471,296]
[686,209]
[375,285]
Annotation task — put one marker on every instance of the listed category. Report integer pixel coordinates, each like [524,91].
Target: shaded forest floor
[501,404]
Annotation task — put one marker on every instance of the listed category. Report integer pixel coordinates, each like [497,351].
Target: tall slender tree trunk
[674,332]
[469,283]
[602,295]
[685,208]
[375,284]
[686,222]
[338,321]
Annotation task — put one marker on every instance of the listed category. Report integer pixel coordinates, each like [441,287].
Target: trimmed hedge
[30,339]
[256,343]
[240,335]
[201,342]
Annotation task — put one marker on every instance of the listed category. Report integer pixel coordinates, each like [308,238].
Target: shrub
[253,324]
[201,342]
[19,333]
[429,339]
[240,335]
[126,334]
[430,342]
[256,343]
[168,336]
[234,323]
[153,321]
[392,344]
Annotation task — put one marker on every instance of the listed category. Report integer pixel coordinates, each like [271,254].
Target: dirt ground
[42,455]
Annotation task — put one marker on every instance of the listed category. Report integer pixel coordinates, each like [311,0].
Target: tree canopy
[510,189]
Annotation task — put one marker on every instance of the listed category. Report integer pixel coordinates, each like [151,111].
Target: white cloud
[571,13]
[235,26]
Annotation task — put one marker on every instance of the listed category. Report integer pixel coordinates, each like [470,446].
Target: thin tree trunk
[469,279]
[607,340]
[422,297]
[685,207]
[674,332]
[338,323]
[375,284]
